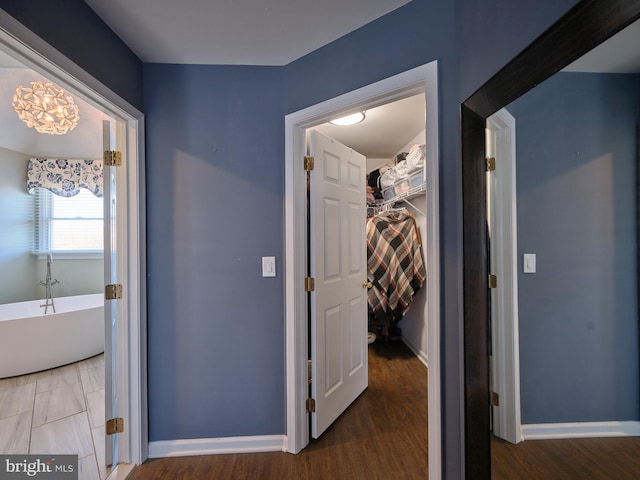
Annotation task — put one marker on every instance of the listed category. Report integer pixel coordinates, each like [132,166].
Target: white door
[501,219]
[111,307]
[338,262]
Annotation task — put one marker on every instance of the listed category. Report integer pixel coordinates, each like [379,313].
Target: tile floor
[57,411]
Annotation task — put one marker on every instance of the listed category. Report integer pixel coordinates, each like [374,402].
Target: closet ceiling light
[46,107]
[349,119]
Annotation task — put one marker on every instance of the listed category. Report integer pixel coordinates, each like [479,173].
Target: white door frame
[37,54]
[504,264]
[421,79]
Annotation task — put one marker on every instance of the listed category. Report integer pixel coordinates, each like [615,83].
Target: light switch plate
[529,263]
[268,266]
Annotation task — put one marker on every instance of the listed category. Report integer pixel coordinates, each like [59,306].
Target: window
[69,225]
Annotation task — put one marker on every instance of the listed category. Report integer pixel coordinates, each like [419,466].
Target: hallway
[383,434]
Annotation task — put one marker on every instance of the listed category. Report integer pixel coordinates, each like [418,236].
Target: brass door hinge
[309,284]
[495,399]
[112,158]
[115,425]
[310,370]
[113,291]
[491,164]
[311,405]
[308,164]
[493,281]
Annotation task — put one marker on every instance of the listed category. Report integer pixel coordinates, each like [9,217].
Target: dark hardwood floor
[571,459]
[382,435]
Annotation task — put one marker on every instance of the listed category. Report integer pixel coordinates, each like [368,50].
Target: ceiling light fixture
[46,107]
[349,119]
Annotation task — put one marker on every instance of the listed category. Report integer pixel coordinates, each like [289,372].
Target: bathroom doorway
[127,370]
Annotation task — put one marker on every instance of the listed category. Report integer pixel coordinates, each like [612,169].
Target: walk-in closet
[383,240]
[392,138]
[332,369]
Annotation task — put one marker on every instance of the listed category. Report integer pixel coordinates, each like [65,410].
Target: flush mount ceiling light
[349,119]
[46,107]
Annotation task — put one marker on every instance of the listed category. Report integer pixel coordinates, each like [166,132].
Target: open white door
[339,267]
[501,217]
[111,307]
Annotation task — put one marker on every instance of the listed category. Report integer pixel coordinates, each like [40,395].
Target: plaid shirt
[394,266]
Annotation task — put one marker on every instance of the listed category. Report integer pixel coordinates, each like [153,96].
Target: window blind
[69,224]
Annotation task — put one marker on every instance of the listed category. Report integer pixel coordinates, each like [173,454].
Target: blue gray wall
[215,187]
[576,183]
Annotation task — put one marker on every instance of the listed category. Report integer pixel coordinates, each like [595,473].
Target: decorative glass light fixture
[46,107]
[349,119]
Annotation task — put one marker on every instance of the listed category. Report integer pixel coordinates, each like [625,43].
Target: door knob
[367,284]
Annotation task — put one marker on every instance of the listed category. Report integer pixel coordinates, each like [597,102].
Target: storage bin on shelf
[416,178]
[389,192]
[403,185]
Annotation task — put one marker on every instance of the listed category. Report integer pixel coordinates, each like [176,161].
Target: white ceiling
[276,32]
[385,131]
[234,32]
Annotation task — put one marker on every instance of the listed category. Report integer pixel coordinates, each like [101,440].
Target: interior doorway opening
[421,80]
[129,370]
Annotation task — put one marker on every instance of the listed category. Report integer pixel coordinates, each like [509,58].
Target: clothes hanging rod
[414,207]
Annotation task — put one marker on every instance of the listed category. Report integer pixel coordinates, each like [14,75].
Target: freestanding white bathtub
[31,341]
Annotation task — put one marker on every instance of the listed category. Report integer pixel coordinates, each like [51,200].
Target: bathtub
[31,341]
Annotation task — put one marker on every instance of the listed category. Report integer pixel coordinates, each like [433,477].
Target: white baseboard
[214,446]
[542,431]
[422,356]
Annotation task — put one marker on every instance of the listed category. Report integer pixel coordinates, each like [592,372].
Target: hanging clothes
[395,267]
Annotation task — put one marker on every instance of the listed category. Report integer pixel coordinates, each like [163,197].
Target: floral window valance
[65,177]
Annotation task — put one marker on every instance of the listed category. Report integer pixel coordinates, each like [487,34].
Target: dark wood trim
[638,234]
[476,301]
[585,26]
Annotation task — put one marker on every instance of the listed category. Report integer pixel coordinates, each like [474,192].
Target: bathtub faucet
[48,283]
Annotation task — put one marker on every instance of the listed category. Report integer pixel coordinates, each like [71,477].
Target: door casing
[504,264]
[421,79]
